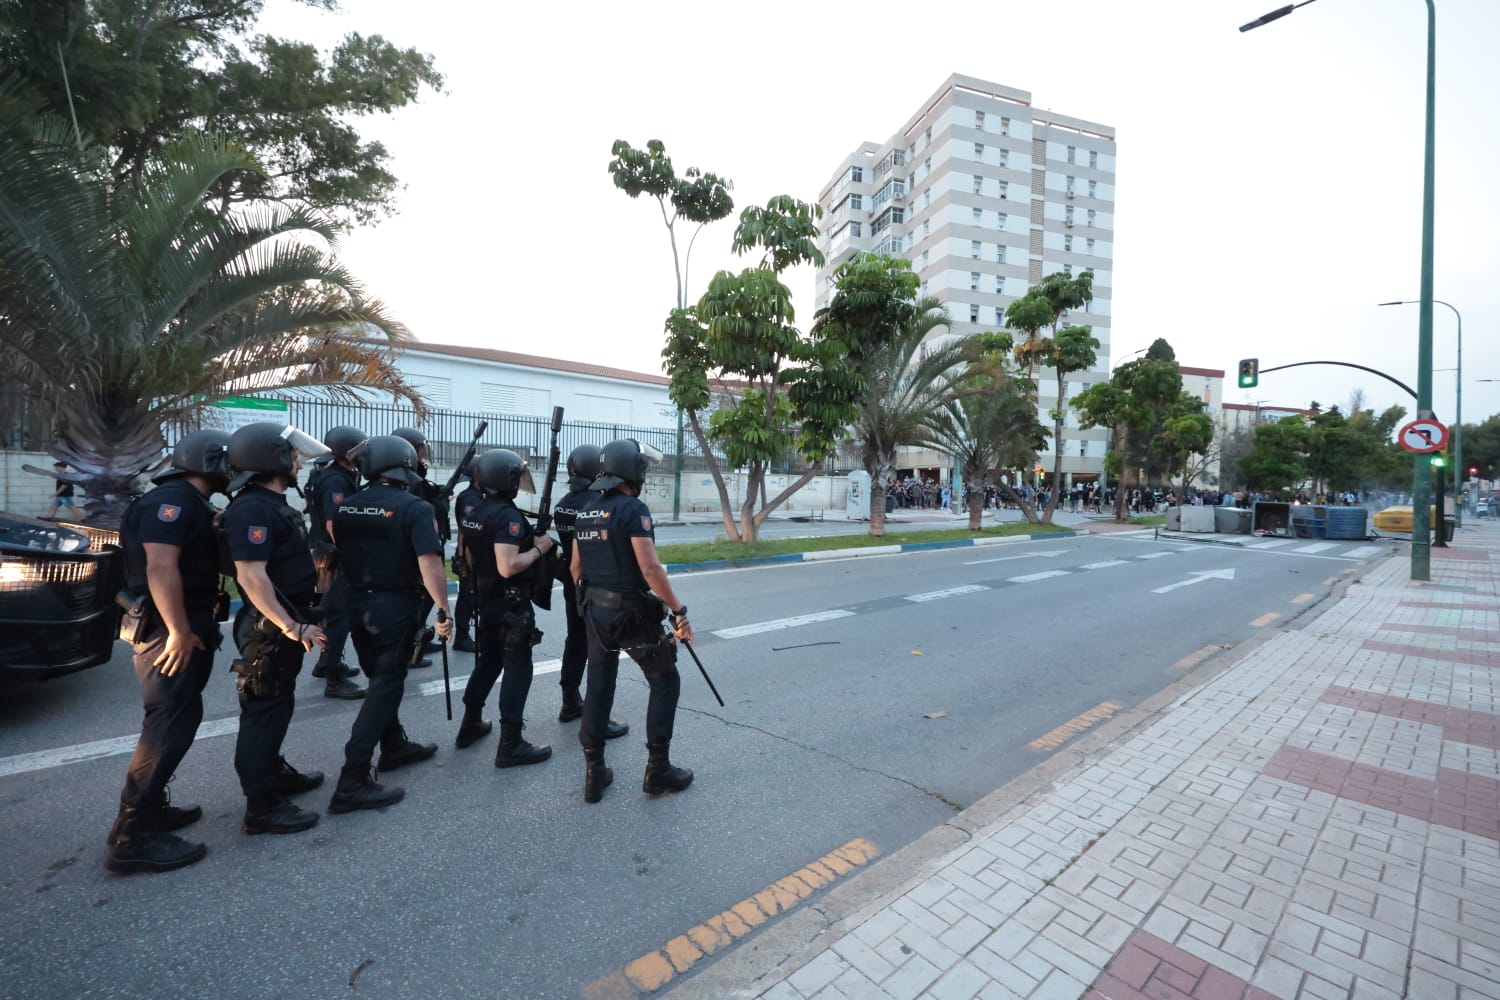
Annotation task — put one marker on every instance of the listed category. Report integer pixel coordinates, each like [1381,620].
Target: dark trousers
[173,709]
[335,625]
[657,658]
[575,652]
[504,653]
[463,609]
[383,626]
[263,723]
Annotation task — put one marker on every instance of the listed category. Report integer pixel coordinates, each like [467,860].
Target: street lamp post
[1421,523]
[1458,402]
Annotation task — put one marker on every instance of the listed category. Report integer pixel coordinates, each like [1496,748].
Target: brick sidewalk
[1320,820]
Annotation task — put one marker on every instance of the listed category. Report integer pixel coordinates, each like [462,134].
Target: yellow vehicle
[1398,518]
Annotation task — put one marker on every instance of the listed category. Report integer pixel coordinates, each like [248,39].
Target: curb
[874,550]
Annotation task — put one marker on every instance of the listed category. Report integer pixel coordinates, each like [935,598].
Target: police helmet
[502,473]
[341,439]
[583,466]
[270,450]
[624,461]
[418,441]
[387,456]
[201,453]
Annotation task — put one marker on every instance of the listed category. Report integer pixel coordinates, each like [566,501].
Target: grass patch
[719,548]
[1149,519]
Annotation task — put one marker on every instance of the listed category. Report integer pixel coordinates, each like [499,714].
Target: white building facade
[985,195]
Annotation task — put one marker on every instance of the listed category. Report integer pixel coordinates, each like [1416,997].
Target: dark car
[58,584]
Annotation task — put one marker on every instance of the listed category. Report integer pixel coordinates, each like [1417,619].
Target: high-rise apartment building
[985,194]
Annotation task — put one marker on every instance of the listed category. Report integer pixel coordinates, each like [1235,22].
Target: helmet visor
[653,456]
[527,484]
[305,445]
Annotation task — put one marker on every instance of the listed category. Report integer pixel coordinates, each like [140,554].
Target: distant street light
[1421,526]
[1458,398]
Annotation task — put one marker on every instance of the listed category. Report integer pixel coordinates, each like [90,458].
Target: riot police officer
[583,466]
[171,571]
[463,608]
[334,480]
[273,565]
[424,489]
[391,554]
[625,595]
[505,555]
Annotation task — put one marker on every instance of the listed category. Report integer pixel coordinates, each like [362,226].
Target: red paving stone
[1473,657]
[1457,606]
[1460,555]
[1463,634]
[1148,968]
[1457,799]
[1460,725]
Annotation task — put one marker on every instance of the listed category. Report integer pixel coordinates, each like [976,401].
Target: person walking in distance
[389,545]
[273,566]
[583,466]
[171,576]
[62,494]
[334,480]
[625,595]
[505,556]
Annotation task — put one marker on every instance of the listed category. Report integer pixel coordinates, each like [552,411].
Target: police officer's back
[332,481]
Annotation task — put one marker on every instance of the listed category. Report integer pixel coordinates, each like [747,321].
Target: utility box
[857,504]
[1197,519]
[1232,520]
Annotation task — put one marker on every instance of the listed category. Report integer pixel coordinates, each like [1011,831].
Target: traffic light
[1439,460]
[1249,373]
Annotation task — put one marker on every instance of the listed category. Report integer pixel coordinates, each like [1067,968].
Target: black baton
[694,654]
[442,616]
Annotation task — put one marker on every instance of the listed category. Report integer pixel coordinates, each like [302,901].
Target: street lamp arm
[1347,364]
[1275,15]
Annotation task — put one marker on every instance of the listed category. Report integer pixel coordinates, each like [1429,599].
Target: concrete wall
[20,491]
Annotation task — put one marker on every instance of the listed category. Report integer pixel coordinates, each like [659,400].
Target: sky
[1269,184]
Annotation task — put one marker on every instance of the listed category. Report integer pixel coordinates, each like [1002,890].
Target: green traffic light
[1438,461]
[1249,373]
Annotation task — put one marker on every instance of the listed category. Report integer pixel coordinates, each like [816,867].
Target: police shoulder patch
[257,534]
[646,523]
[168,512]
[338,498]
[515,529]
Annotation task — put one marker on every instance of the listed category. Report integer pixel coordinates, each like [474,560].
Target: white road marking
[1157,555]
[1029,555]
[1212,574]
[1030,577]
[781,623]
[1273,543]
[1104,565]
[1318,547]
[428,688]
[874,550]
[938,595]
[1363,552]
[79,752]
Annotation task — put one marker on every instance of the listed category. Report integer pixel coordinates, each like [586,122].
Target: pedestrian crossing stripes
[938,595]
[1363,552]
[1104,565]
[1033,577]
[1274,543]
[1317,547]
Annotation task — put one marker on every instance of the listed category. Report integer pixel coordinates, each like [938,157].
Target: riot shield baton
[694,654]
[442,616]
[458,470]
[541,590]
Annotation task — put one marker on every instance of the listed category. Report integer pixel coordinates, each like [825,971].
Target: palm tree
[126,309]
[906,379]
[986,431]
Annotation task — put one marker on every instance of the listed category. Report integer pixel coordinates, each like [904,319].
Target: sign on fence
[236,411]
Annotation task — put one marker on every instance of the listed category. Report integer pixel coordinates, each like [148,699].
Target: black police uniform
[507,625]
[175,514]
[260,526]
[575,652]
[463,608]
[429,493]
[620,613]
[381,531]
[335,483]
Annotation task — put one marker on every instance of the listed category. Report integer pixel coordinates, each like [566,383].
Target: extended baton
[694,653]
[442,616]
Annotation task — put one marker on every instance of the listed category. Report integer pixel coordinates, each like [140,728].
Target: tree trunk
[748,525]
[877,507]
[725,507]
[1122,439]
[1028,509]
[1057,450]
[781,497]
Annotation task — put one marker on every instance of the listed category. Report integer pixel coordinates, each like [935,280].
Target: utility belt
[259,640]
[619,600]
[139,616]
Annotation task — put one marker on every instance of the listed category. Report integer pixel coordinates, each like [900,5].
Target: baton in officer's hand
[679,621]
[442,616]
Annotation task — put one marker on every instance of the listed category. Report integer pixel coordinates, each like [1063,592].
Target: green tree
[987,432]
[1187,431]
[1277,462]
[126,308]
[1139,396]
[1071,349]
[143,73]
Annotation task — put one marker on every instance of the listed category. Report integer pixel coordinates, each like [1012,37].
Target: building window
[925,223]
[1000,253]
[979,120]
[857,174]
[929,133]
[1004,125]
[1004,157]
[1083,449]
[1072,153]
[1091,216]
[496,397]
[973,313]
[855,229]
[979,151]
[924,260]
[1094,158]
[999,285]
[1068,243]
[1067,269]
[1093,189]
[975,249]
[1004,188]
[999,315]
[978,216]
[1003,219]
[973,281]
[926,197]
[1068,214]
[978,184]
[856,201]
[1090,244]
[927,165]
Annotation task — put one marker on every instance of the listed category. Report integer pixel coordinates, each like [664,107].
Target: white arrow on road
[1210,574]
[1029,555]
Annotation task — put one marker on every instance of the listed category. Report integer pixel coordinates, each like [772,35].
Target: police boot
[661,776]
[462,643]
[343,687]
[358,789]
[276,815]
[473,728]
[513,751]
[290,781]
[164,817]
[340,669]
[572,705]
[138,846]
[597,777]
[397,750]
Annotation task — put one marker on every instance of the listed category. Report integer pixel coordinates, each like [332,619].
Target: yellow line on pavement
[1265,619]
[655,969]
[1302,598]
[1191,660]
[1071,728]
[1330,581]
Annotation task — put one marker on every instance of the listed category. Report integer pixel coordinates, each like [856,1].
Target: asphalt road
[867,698]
